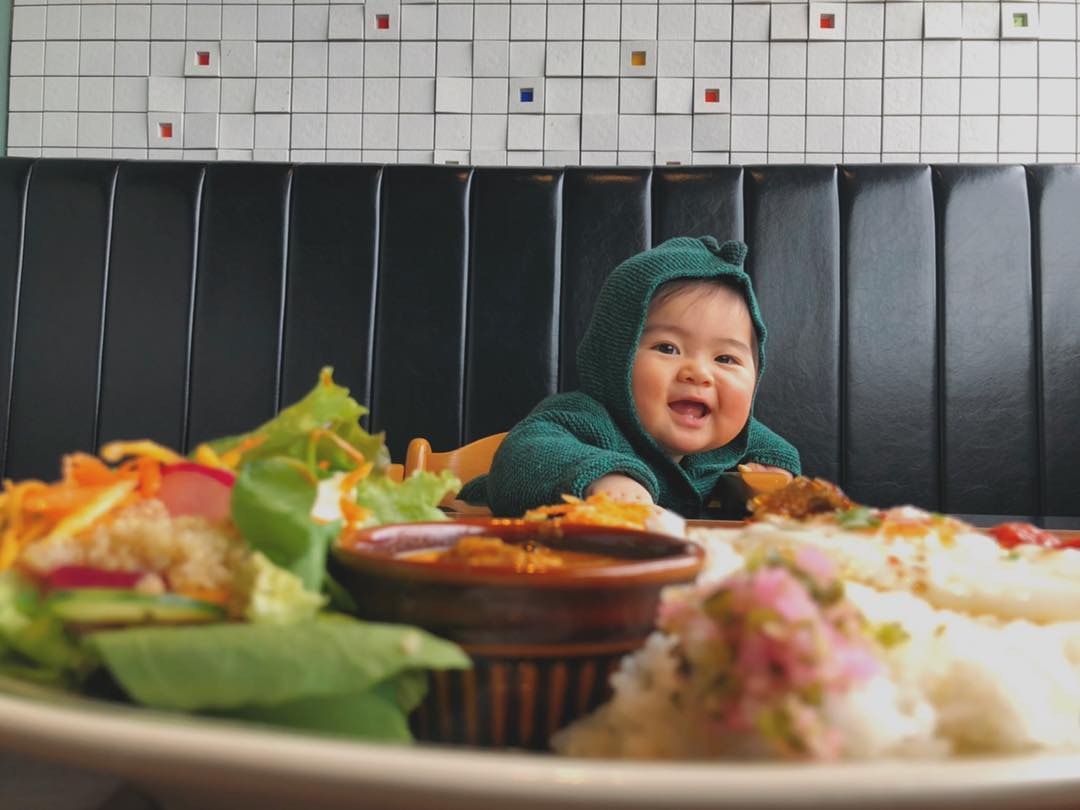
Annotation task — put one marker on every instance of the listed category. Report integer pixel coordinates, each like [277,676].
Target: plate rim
[140,743]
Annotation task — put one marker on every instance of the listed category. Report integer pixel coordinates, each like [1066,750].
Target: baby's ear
[732,252]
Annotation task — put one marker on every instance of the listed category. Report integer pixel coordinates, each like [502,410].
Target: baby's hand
[773,478]
[620,488]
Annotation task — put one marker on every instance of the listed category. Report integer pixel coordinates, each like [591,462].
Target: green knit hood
[605,357]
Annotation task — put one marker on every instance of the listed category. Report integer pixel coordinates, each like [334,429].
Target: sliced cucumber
[117,606]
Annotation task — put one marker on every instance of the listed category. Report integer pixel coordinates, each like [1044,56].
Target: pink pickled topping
[820,568]
[763,654]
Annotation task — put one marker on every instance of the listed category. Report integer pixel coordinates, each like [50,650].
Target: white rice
[959,683]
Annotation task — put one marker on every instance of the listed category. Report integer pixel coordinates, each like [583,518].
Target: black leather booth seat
[924,321]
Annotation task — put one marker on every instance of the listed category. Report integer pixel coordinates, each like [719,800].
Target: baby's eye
[727,359]
[666,348]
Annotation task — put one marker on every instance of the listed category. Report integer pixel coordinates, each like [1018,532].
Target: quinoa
[188,553]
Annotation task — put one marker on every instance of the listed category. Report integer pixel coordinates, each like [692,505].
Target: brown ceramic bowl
[542,644]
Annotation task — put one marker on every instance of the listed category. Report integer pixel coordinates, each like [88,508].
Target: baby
[669,367]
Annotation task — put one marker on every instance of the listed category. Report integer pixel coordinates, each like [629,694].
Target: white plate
[191,762]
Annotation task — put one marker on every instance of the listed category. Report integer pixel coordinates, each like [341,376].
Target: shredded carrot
[350,451]
[115,451]
[596,510]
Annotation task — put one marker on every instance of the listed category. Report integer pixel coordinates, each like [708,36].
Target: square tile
[203,22]
[600,95]
[675,95]
[676,58]
[526,95]
[713,21]
[565,21]
[676,21]
[165,94]
[562,132]
[903,21]
[346,21]
[981,20]
[638,21]
[674,133]
[602,21]
[417,131]
[132,59]
[97,22]
[563,59]
[789,21]
[712,133]
[637,58]
[203,59]
[452,131]
[165,130]
[827,21]
[943,20]
[200,130]
[491,21]
[525,132]
[712,95]
[345,59]
[453,94]
[418,21]
[237,59]
[96,93]
[276,22]
[637,96]
[202,95]
[599,59]
[273,95]
[1019,20]
[562,95]
[238,96]
[309,95]
[241,22]
[455,21]
[61,93]
[490,95]
[453,59]
[417,95]
[750,22]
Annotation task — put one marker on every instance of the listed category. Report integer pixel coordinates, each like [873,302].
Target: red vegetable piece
[1010,535]
[85,576]
[195,489]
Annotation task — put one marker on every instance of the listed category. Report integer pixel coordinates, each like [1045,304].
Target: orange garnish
[596,510]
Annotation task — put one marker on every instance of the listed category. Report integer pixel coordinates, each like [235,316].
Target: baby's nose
[694,372]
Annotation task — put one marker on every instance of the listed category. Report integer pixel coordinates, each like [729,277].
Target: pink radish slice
[85,576]
[195,489]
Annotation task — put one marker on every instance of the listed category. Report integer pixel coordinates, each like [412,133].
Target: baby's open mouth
[689,408]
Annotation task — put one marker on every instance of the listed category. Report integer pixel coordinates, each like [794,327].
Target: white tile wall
[501,82]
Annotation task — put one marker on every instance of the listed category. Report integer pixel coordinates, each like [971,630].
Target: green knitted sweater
[570,440]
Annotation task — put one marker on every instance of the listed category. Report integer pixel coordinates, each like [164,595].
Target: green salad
[199,583]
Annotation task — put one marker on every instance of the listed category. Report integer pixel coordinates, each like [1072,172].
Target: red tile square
[382,21]
[828,21]
[202,58]
[164,130]
[712,95]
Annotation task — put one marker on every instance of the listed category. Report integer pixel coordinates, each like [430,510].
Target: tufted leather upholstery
[924,329]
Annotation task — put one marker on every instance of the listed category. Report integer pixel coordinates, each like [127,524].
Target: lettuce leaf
[375,715]
[33,643]
[414,499]
[228,666]
[266,593]
[327,406]
[271,506]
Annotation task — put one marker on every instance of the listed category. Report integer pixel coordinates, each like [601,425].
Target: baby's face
[694,370]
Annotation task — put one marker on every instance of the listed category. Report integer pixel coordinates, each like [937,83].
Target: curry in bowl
[545,610]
